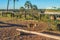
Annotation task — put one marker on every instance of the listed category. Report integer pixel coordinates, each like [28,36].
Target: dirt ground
[8,29]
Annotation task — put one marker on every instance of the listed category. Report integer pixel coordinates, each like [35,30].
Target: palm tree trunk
[7,5]
[14,5]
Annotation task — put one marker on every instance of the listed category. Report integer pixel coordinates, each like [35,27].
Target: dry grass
[11,31]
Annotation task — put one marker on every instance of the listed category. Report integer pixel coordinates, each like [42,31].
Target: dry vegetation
[52,10]
[8,33]
[38,26]
[14,23]
[34,37]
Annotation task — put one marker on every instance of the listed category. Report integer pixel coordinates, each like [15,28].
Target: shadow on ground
[10,25]
[51,33]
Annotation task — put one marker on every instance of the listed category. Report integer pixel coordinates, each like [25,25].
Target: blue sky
[39,3]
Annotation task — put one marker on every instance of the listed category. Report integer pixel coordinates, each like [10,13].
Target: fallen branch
[40,34]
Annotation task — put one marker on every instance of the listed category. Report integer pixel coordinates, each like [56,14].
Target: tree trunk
[7,5]
[25,14]
[14,6]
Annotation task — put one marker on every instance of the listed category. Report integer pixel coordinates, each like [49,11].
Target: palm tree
[14,4]
[8,5]
[28,4]
[34,10]
[34,7]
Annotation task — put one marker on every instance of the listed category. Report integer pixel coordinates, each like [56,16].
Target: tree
[8,5]
[22,9]
[14,4]
[28,5]
[34,10]
[34,7]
